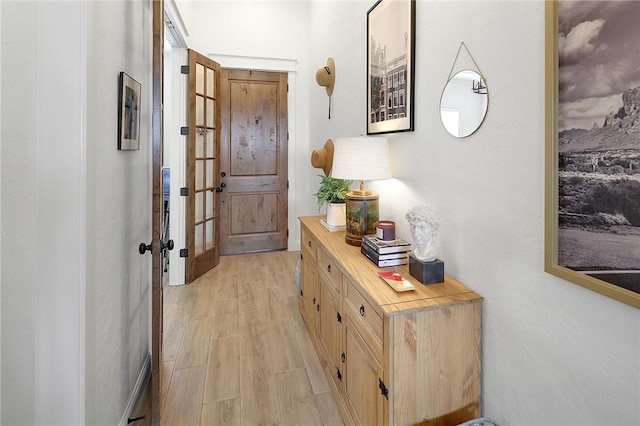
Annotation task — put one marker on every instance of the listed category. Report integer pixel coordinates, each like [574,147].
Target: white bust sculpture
[424,224]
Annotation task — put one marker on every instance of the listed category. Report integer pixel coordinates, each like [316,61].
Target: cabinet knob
[314,300]
[329,268]
[342,357]
[309,243]
[361,310]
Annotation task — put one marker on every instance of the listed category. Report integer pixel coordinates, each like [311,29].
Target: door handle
[221,187]
[143,248]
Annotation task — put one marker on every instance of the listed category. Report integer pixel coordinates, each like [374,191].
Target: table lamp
[361,158]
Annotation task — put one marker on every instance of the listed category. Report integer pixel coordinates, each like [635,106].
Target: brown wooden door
[253,161]
[156,206]
[203,160]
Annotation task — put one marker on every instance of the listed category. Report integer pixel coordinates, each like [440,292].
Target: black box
[426,272]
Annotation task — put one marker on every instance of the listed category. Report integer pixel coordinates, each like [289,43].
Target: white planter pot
[336,214]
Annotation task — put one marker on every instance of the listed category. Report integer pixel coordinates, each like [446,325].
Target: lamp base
[362,215]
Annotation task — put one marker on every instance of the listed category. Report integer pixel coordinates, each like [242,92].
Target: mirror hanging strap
[470,56]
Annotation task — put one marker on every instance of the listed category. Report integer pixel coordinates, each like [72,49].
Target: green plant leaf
[332,190]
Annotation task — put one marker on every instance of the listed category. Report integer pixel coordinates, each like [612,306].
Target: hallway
[236,350]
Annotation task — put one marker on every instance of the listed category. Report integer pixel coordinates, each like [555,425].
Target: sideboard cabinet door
[362,379]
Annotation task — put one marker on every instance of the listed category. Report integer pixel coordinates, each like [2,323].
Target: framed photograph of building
[592,206]
[390,66]
[128,113]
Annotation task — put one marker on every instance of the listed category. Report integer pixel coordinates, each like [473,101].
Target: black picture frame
[129,99]
[592,163]
[390,66]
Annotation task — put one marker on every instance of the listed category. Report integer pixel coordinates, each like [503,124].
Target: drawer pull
[309,243]
[329,268]
[361,310]
[314,300]
[342,357]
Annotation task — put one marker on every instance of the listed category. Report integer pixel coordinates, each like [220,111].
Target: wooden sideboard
[398,358]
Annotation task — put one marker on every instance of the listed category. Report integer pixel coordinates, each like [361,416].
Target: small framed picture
[128,113]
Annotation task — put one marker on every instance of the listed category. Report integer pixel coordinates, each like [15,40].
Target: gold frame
[551,182]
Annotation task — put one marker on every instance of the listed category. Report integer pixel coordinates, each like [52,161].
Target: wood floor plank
[312,363]
[277,304]
[253,335]
[249,296]
[287,283]
[225,318]
[223,413]
[173,329]
[285,351]
[203,303]
[248,272]
[194,349]
[258,392]
[183,405]
[328,409]
[294,314]
[226,288]
[223,370]
[296,398]
[268,276]
[178,299]
[166,371]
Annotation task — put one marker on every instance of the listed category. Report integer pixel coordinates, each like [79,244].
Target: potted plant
[333,193]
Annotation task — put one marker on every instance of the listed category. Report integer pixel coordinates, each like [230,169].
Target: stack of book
[385,253]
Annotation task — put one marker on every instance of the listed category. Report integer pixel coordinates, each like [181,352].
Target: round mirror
[464,103]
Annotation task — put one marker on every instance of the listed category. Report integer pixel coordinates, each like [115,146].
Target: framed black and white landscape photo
[592,206]
[128,113]
[390,66]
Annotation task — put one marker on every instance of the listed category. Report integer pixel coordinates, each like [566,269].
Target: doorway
[253,161]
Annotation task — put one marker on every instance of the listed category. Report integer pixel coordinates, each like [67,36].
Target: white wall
[75,291]
[554,353]
[18,240]
[118,208]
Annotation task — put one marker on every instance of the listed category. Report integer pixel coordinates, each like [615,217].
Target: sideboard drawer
[330,269]
[366,314]
[308,244]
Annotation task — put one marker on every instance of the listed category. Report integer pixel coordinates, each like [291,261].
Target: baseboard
[143,377]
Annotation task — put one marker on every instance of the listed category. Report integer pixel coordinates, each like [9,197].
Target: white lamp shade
[361,158]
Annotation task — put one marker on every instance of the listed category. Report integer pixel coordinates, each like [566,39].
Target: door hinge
[287,232]
[301,292]
[339,374]
[287,184]
[287,87]
[383,389]
[184,252]
[339,317]
[287,136]
[184,131]
[184,69]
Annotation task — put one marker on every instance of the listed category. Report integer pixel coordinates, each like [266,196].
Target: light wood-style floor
[236,350]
